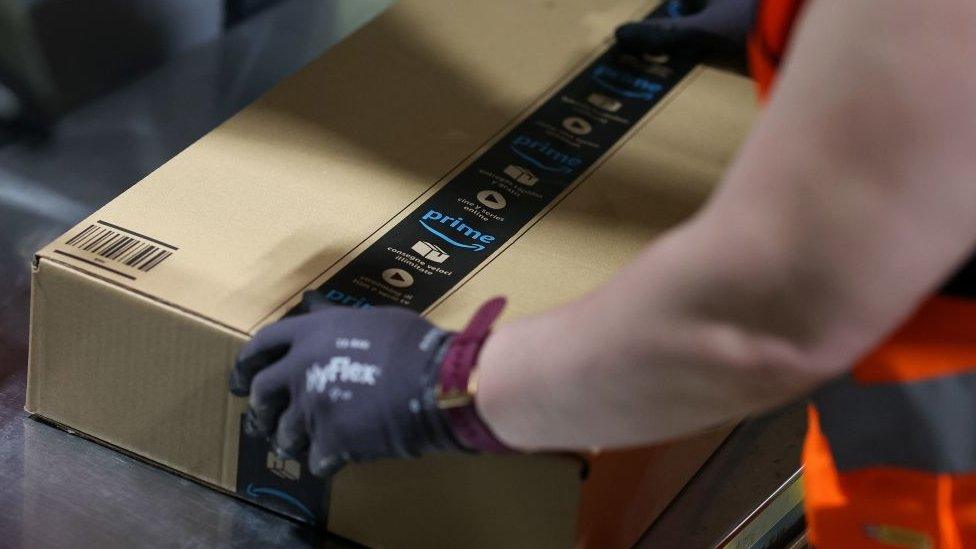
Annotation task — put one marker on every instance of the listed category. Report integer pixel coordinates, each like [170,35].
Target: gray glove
[713,24]
[349,384]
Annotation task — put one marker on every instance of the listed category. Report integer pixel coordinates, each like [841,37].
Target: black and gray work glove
[352,384]
[721,25]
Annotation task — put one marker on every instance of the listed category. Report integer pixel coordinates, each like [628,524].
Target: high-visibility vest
[890,451]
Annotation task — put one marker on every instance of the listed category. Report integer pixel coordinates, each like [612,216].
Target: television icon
[285,468]
[656,59]
[577,126]
[430,252]
[521,175]
[608,104]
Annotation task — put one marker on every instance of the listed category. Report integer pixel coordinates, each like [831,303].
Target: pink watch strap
[459,362]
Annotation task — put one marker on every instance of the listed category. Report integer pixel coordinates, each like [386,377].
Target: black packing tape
[424,256]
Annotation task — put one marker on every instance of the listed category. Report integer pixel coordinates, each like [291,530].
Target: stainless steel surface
[60,490]
[754,463]
[777,520]
[799,543]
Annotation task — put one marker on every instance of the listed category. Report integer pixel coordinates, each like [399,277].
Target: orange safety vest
[890,451]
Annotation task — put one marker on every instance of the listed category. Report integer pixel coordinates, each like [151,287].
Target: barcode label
[107,245]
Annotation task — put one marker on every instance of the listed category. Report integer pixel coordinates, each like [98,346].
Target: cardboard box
[132,336]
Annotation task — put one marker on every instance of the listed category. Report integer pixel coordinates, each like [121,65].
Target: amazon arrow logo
[625,83]
[541,154]
[454,231]
[256,492]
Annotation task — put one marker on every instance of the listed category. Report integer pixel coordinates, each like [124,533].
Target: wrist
[457,386]
[536,378]
[501,399]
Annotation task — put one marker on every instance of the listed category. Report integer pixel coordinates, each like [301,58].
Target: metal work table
[57,489]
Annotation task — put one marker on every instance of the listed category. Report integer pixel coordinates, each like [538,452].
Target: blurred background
[95,94]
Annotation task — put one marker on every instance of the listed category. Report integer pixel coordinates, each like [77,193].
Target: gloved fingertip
[250,426]
[250,363]
[282,453]
[239,386]
[326,467]
[628,32]
[654,35]
[252,358]
[288,444]
[262,422]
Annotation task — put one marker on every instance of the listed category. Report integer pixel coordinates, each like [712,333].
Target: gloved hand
[358,384]
[715,24]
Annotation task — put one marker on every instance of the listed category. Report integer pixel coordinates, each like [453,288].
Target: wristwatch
[459,397]
[458,386]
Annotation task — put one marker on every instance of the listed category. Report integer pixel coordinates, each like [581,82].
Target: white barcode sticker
[117,249]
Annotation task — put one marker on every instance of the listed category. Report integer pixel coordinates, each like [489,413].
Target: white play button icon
[398,278]
[492,199]
[577,125]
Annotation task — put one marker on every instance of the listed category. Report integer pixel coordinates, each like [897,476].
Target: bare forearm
[644,358]
[826,233]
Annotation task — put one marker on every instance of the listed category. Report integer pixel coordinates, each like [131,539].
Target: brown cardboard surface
[340,148]
[279,197]
[128,371]
[486,501]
